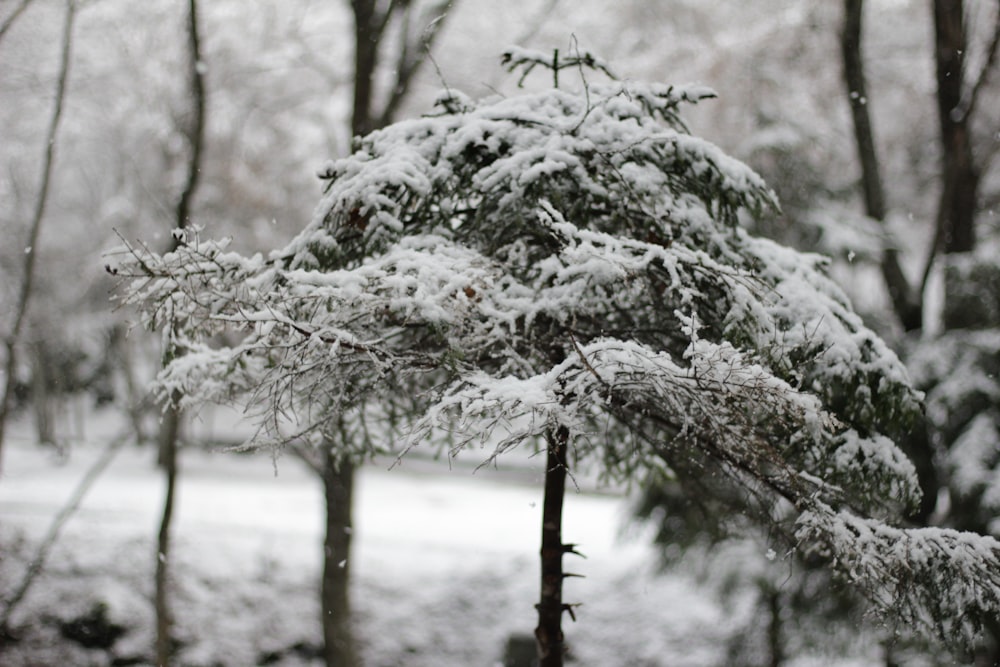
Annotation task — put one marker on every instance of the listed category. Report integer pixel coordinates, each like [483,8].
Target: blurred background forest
[280,84]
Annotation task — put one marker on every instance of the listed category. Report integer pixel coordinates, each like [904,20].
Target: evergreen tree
[567,270]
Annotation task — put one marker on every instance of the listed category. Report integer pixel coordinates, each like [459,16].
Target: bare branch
[9,21]
[412,56]
[65,514]
[196,130]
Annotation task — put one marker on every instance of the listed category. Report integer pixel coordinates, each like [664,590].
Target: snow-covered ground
[444,564]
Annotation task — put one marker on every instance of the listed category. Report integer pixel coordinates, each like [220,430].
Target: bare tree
[169,432]
[905,299]
[957,97]
[35,226]
[372,19]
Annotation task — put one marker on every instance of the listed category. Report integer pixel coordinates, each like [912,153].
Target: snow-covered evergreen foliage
[573,259]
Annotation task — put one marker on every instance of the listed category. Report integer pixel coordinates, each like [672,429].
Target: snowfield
[444,564]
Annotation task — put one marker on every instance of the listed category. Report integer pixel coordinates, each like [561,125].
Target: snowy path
[444,561]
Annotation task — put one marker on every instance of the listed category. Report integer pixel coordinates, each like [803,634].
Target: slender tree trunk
[42,395]
[168,462]
[549,634]
[169,431]
[338,483]
[34,231]
[906,301]
[338,474]
[370,20]
[960,175]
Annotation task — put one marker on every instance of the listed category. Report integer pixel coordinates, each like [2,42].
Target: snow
[568,260]
[444,560]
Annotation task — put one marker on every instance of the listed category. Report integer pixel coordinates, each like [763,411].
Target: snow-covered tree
[566,270]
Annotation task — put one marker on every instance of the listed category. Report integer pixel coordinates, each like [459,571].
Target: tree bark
[549,634]
[168,462]
[906,301]
[368,28]
[960,175]
[34,230]
[338,483]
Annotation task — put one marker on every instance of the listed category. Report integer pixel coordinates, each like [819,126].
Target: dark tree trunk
[549,634]
[338,482]
[906,300]
[169,431]
[370,22]
[960,175]
[168,462]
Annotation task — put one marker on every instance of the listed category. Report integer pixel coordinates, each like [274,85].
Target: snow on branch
[941,579]
[571,261]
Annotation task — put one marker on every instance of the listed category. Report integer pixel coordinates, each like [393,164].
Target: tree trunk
[169,431]
[368,27]
[370,20]
[551,643]
[168,460]
[338,482]
[34,231]
[906,301]
[960,176]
